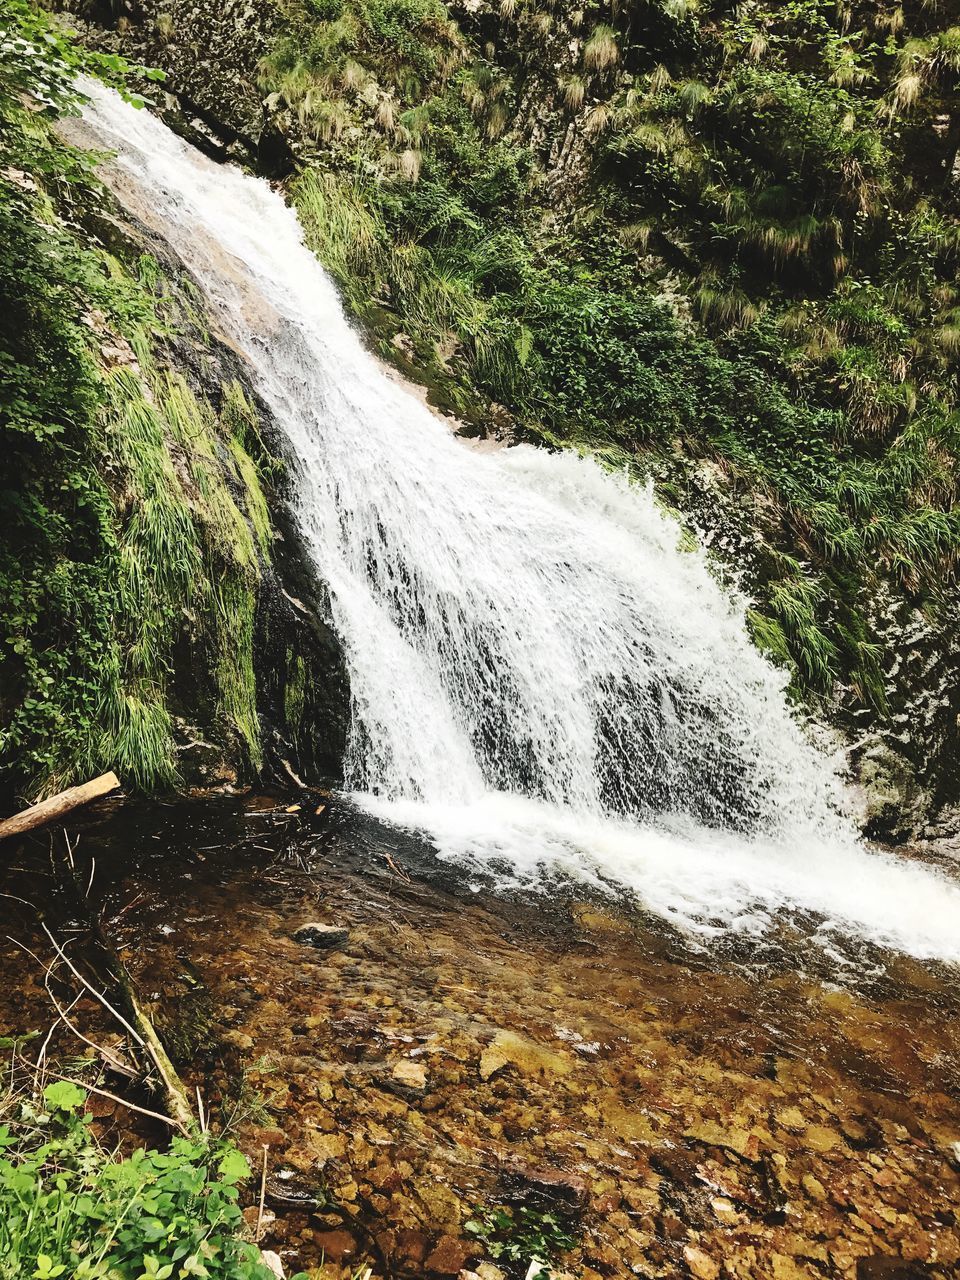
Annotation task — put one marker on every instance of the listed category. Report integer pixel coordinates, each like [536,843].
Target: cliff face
[715,247]
[157,617]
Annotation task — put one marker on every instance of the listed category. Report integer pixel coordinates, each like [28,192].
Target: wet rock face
[901,759]
[300,682]
[210,54]
[302,693]
[907,763]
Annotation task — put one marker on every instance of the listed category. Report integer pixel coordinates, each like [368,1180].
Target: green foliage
[372,57]
[70,1208]
[759,266]
[523,1235]
[38,58]
[132,514]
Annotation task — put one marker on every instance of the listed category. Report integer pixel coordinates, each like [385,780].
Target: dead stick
[136,1021]
[124,1102]
[174,1091]
[263,1195]
[49,810]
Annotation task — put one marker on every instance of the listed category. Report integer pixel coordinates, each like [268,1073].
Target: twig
[41,1055]
[13,898]
[289,769]
[97,995]
[137,897]
[125,1102]
[399,870]
[110,1058]
[144,1033]
[263,1195]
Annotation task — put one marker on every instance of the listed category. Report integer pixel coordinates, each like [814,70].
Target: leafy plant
[70,1208]
[522,1234]
[109,557]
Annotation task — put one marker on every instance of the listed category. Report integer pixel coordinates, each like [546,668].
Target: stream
[677,1108]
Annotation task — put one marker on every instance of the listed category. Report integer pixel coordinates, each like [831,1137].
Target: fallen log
[172,1087]
[49,810]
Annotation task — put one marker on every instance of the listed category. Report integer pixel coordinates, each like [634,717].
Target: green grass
[135,522]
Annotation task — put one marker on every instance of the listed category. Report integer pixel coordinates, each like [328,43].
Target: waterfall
[542,681]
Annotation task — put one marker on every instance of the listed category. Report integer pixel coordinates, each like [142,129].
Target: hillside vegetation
[643,228]
[715,244]
[135,537]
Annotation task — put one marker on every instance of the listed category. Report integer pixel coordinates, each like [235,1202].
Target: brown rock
[336,1245]
[701,1264]
[724,1210]
[450,1255]
[270,1137]
[412,1245]
[741,1141]
[557,1184]
[492,1061]
[384,1177]
[411,1074]
[882,1267]
[787,1268]
[325,937]
[813,1187]
[820,1138]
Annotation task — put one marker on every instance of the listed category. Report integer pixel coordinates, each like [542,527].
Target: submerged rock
[552,1184]
[450,1256]
[411,1074]
[324,937]
[747,1119]
[272,1261]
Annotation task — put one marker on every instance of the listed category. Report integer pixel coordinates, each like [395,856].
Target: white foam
[703,881]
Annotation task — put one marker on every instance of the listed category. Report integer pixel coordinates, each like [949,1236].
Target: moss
[179,529]
[295,694]
[186,548]
[235,600]
[230,542]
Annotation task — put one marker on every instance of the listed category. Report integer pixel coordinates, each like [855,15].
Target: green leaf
[64,1095]
[234,1167]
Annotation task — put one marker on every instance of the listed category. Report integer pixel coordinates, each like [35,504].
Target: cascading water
[542,681]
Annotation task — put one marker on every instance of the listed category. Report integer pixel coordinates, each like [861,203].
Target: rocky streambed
[443,1081]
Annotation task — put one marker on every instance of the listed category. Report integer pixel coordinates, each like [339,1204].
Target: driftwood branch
[130,1014]
[49,810]
[172,1087]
